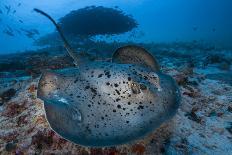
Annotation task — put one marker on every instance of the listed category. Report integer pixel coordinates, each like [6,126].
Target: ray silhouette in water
[20,21]
[8,8]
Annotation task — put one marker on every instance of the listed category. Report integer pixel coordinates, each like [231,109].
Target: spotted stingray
[102,104]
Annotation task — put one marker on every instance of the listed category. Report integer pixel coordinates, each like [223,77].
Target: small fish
[20,21]
[30,33]
[26,31]
[35,31]
[19,32]
[9,28]
[195,28]
[9,33]
[214,29]
[8,8]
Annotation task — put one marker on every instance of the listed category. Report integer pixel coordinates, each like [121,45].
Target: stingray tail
[69,49]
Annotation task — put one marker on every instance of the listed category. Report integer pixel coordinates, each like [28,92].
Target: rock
[96,151]
[216,58]
[191,92]
[7,95]
[212,113]
[42,139]
[222,77]
[138,149]
[32,88]
[11,146]
[224,66]
[13,109]
[230,109]
[181,79]
[193,116]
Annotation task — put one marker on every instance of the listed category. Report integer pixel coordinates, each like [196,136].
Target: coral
[138,149]
[14,109]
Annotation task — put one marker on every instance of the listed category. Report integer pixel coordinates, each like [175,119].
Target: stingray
[101,104]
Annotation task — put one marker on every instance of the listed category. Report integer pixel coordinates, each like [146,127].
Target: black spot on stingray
[87,87]
[118,99]
[145,77]
[100,75]
[88,129]
[119,106]
[107,73]
[129,78]
[127,122]
[93,90]
[117,91]
[107,83]
[129,103]
[140,107]
[89,105]
[116,85]
[114,110]
[76,80]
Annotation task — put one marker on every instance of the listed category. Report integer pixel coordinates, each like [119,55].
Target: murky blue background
[159,20]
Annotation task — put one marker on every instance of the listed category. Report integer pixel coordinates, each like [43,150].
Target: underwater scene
[115,77]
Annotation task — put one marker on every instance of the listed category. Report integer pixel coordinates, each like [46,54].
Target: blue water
[159,20]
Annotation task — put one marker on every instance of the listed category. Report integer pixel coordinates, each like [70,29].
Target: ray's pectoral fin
[135,55]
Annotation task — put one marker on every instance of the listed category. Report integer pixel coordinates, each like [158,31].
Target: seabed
[202,125]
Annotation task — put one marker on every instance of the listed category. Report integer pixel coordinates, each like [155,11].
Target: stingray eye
[135,88]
